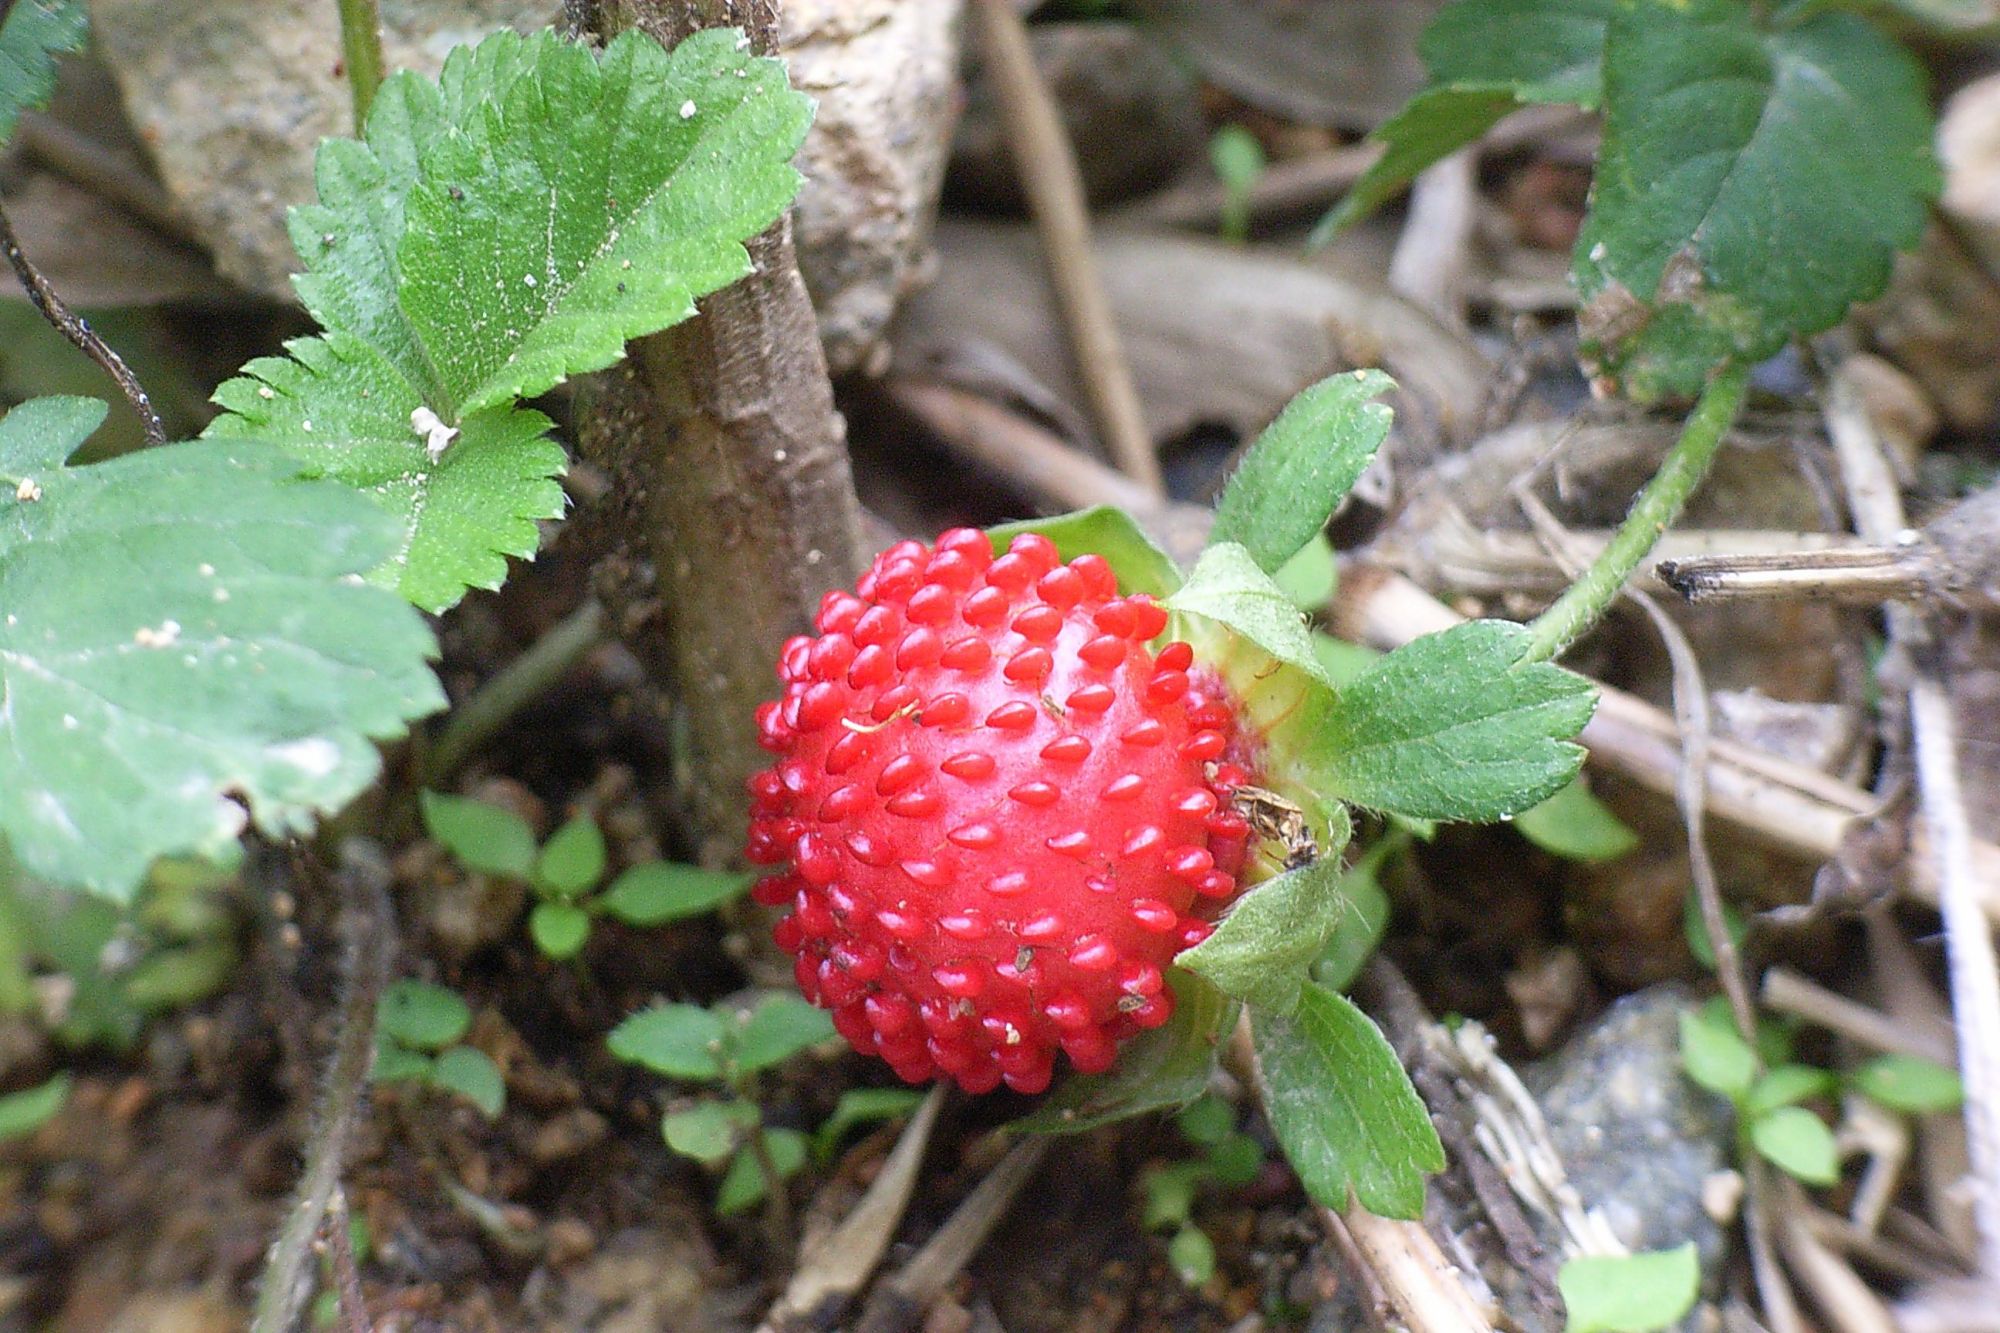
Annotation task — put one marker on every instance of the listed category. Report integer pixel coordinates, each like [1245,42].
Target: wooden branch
[735,502]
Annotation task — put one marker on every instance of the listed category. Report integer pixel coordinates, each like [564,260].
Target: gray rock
[1637,1138]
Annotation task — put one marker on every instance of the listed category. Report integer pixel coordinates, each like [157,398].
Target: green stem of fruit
[1652,514]
[361,46]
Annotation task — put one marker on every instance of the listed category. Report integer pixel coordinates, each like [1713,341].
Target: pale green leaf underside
[34,34]
[1630,1293]
[179,627]
[498,232]
[1752,185]
[1343,1108]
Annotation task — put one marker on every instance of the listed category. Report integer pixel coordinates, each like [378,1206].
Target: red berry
[996,815]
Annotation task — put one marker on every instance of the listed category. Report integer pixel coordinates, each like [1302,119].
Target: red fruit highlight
[996,815]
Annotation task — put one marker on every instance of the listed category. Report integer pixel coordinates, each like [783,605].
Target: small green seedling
[566,873]
[727,1047]
[1238,160]
[1768,1087]
[419,1038]
[24,1112]
[1228,1159]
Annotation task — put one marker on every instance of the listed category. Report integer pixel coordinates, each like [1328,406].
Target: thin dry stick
[1787,992]
[1974,969]
[1054,186]
[369,922]
[1426,1289]
[80,334]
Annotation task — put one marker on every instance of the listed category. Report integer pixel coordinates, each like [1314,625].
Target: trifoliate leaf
[180,635]
[399,1064]
[1798,1143]
[1260,952]
[1303,466]
[1452,726]
[1227,587]
[1629,1293]
[1910,1084]
[678,1040]
[1102,530]
[657,892]
[422,1015]
[471,1073]
[1343,1108]
[777,1029]
[1487,58]
[1753,184]
[572,861]
[497,233]
[24,1112]
[479,835]
[33,34]
[1160,1069]
[708,1132]
[745,1184]
[1576,825]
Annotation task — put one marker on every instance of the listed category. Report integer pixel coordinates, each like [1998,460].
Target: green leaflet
[1752,186]
[509,227]
[180,629]
[34,34]
[1630,1293]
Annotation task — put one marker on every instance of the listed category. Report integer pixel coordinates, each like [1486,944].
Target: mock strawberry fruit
[998,815]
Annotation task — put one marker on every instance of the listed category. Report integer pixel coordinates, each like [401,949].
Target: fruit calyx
[997,814]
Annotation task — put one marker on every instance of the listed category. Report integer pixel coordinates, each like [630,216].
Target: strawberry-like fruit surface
[997,815]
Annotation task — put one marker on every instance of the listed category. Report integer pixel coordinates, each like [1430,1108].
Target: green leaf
[1752,185]
[1310,578]
[660,891]
[497,233]
[180,637]
[1102,530]
[1192,1254]
[471,1073]
[34,33]
[1788,1084]
[1544,50]
[1715,1055]
[1169,1194]
[421,1015]
[1453,726]
[1630,1293]
[1364,917]
[1207,1120]
[480,836]
[399,1064]
[1798,1143]
[1436,123]
[1237,1160]
[1227,587]
[1261,951]
[1910,1084]
[777,1029]
[560,930]
[862,1106]
[1302,467]
[678,1040]
[573,859]
[709,1132]
[22,1113]
[1695,929]
[1160,1069]
[1343,1108]
[176,978]
[1577,826]
[744,1185]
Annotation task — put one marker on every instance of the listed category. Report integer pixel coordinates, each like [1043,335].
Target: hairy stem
[72,326]
[1652,514]
[734,504]
[364,880]
[361,47]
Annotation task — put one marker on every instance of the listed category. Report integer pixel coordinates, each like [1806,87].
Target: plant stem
[72,326]
[1652,514]
[546,661]
[361,45]
[777,1202]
